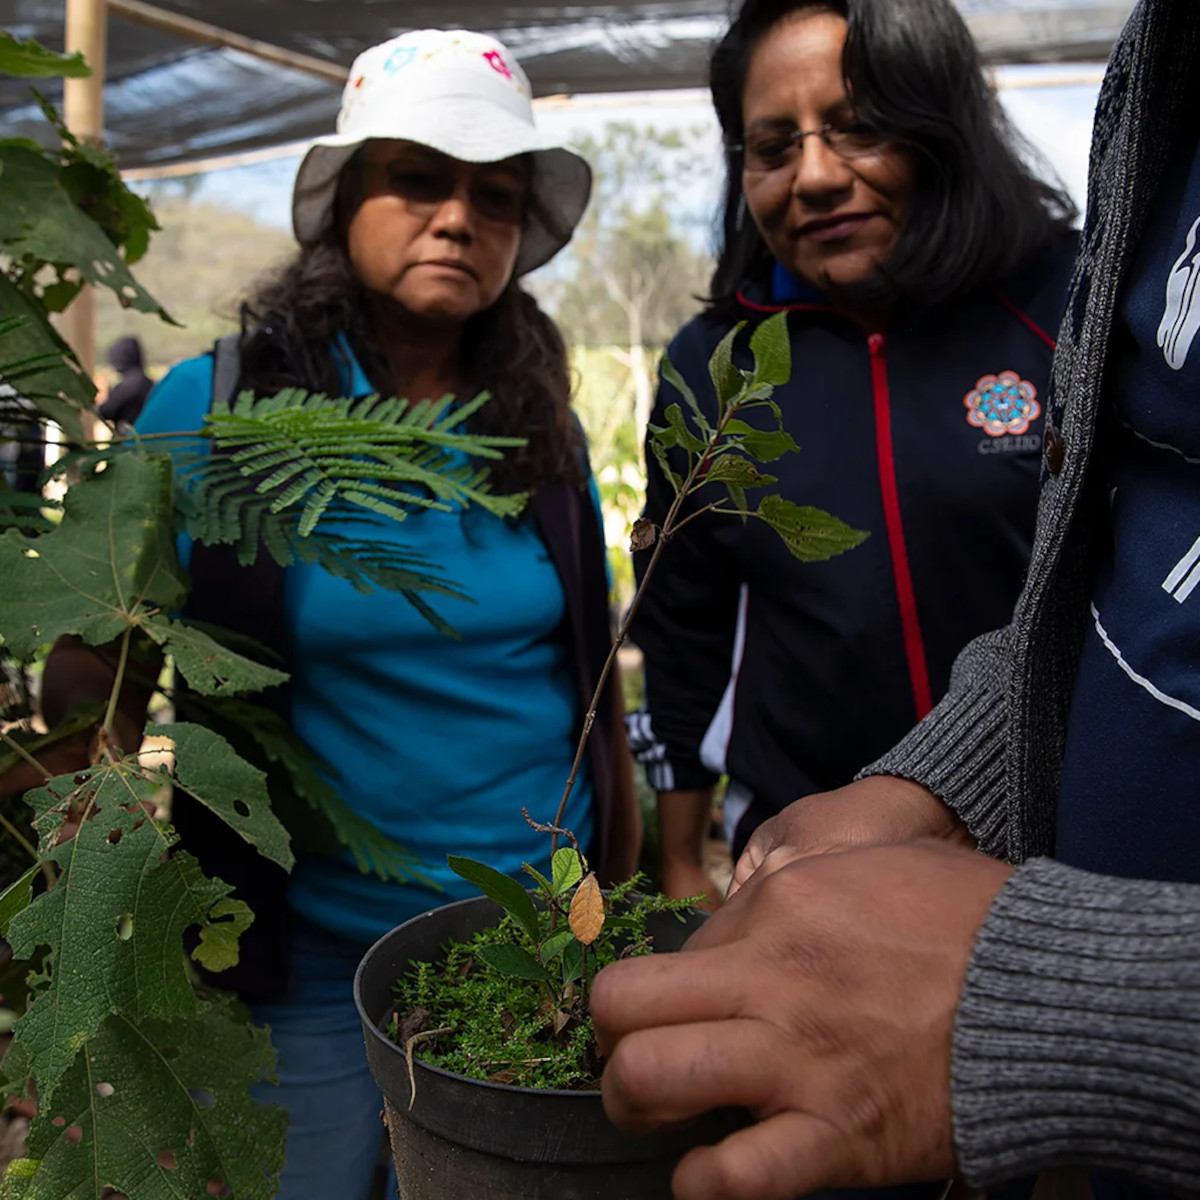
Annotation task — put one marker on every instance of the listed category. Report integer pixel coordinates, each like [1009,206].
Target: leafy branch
[528,948]
[727,453]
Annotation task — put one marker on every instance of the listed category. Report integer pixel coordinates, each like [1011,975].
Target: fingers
[757,848]
[669,989]
[664,1076]
[780,1158]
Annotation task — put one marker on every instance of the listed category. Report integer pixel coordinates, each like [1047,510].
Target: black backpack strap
[248,599]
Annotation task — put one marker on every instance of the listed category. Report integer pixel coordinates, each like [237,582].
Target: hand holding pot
[878,810]
[822,998]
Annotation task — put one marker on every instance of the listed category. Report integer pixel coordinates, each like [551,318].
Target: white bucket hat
[458,92]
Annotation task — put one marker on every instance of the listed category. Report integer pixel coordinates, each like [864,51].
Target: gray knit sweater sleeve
[1078,1034]
[957,751]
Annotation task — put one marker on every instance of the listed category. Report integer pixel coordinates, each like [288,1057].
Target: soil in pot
[463,1138]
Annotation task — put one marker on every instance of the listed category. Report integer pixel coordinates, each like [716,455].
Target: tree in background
[201,265]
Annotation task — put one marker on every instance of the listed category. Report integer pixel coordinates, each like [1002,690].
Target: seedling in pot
[510,1006]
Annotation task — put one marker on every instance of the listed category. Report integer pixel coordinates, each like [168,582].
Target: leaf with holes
[114,921]
[209,667]
[738,471]
[326,814]
[811,534]
[207,768]
[227,920]
[159,1111]
[110,559]
[40,219]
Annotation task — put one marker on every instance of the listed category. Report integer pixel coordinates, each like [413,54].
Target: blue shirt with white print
[1129,804]
[437,741]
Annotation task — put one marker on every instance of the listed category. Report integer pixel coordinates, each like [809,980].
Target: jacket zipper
[914,644]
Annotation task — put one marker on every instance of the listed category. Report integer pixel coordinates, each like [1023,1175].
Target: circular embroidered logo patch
[1001,404]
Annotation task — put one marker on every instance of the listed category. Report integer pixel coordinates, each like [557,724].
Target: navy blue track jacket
[791,676]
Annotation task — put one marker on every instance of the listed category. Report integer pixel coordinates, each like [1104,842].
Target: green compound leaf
[114,921]
[207,768]
[500,888]
[209,667]
[772,351]
[32,60]
[513,961]
[159,1111]
[811,534]
[95,575]
[566,870]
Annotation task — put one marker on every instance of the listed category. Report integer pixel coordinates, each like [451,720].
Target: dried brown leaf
[587,910]
[643,535]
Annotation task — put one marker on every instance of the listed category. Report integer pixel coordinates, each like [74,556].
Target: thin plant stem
[111,712]
[667,531]
[21,752]
[18,837]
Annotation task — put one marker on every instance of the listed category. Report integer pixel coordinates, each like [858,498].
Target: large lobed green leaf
[39,365]
[207,768]
[114,921]
[374,852]
[209,667]
[159,1111]
[41,220]
[111,556]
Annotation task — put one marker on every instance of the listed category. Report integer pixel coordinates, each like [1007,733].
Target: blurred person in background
[127,397]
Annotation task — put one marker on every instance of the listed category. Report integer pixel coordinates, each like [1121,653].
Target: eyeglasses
[427,186]
[775,149]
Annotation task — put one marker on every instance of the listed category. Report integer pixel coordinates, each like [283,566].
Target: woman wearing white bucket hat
[415,221]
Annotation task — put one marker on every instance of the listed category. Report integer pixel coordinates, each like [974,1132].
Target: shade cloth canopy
[168,100]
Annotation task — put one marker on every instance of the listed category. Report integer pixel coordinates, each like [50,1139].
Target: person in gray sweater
[892,1011]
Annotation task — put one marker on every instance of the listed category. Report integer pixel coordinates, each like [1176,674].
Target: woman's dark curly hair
[513,349]
[978,212]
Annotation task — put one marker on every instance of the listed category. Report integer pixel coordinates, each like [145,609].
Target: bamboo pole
[213,35]
[83,112]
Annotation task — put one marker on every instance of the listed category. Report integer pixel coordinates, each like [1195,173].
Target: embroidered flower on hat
[1004,403]
[399,59]
[495,60]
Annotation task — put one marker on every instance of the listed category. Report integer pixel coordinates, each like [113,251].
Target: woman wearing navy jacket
[875,193]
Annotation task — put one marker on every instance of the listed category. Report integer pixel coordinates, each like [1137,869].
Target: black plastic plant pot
[463,1138]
